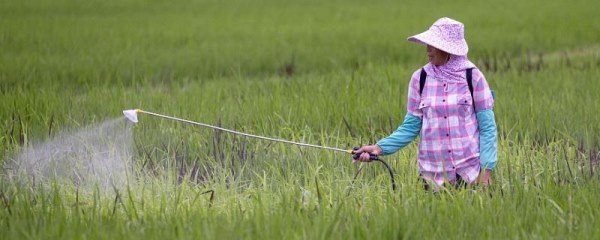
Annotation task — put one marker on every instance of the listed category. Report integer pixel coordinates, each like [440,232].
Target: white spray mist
[97,155]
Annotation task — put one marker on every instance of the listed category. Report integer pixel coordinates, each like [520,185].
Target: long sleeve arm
[488,132]
[405,134]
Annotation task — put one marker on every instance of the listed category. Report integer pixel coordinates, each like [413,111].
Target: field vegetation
[332,73]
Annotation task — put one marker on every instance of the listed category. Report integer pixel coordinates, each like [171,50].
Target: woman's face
[437,57]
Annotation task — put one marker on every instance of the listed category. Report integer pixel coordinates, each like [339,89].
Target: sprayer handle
[355,156]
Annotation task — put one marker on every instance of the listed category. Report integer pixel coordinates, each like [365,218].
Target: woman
[457,125]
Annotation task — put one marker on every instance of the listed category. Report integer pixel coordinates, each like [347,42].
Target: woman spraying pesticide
[450,105]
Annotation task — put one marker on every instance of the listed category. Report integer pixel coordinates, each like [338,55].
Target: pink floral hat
[445,34]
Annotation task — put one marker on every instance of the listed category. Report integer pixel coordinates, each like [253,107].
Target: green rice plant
[332,73]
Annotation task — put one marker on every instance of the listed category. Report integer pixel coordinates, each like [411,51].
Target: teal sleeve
[406,133]
[488,133]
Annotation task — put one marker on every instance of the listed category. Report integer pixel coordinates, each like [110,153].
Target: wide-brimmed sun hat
[445,34]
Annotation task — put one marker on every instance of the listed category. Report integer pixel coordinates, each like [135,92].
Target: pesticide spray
[99,156]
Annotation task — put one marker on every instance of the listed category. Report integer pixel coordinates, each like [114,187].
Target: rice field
[331,73]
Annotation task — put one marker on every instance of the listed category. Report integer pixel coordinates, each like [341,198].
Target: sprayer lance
[132,116]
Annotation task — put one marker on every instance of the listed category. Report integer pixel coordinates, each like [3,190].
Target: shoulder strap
[422,81]
[470,80]
[470,83]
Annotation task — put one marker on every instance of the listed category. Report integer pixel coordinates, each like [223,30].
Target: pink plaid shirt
[449,133]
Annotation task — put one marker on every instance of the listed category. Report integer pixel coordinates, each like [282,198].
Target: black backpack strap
[422,81]
[470,83]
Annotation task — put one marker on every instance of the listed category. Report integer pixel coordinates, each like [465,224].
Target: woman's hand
[485,178]
[364,152]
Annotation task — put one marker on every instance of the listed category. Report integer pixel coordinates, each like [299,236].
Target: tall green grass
[333,73]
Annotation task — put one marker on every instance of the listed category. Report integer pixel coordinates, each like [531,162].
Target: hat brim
[459,48]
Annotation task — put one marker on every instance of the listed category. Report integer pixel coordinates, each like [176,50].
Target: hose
[373,157]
